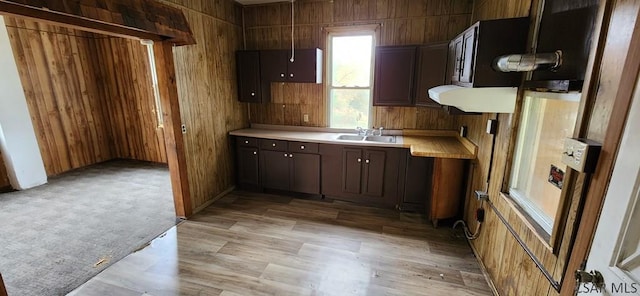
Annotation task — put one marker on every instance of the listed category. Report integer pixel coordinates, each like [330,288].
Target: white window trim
[350,31]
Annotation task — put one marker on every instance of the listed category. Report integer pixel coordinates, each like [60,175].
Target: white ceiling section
[251,2]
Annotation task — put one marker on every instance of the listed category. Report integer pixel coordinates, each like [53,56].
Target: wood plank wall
[207,89]
[63,99]
[402,22]
[130,102]
[4,178]
[63,77]
[496,246]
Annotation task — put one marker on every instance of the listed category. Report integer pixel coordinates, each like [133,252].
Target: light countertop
[422,143]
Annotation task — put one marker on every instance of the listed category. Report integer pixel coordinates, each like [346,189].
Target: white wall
[17,139]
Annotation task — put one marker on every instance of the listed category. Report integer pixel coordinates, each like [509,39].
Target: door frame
[600,179]
[163,45]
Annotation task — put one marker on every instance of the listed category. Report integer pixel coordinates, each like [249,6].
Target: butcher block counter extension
[415,170]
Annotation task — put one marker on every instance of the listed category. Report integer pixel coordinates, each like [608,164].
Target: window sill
[542,236]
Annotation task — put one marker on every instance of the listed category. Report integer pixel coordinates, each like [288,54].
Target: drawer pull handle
[274,144]
[302,147]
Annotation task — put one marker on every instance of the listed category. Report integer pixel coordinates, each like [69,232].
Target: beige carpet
[57,236]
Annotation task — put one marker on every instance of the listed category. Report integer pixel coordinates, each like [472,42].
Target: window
[350,78]
[537,174]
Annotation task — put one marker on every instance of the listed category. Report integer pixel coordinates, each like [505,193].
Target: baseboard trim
[217,197]
[483,268]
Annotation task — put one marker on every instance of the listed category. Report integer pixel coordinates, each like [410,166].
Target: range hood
[477,99]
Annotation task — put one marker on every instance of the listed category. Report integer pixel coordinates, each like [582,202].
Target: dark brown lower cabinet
[367,175]
[283,169]
[247,163]
[274,167]
[248,166]
[305,173]
[417,184]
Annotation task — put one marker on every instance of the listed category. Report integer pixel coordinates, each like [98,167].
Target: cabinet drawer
[303,147]
[275,145]
[245,141]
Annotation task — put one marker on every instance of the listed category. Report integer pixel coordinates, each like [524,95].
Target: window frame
[552,240]
[359,30]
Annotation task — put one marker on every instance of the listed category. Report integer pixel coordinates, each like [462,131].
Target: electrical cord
[293,54]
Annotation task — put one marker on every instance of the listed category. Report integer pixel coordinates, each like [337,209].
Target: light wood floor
[260,244]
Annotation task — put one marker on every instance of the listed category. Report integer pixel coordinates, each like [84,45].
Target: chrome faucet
[379,131]
[369,132]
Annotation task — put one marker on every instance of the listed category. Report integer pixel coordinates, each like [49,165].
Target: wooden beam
[141,19]
[174,141]
[3,290]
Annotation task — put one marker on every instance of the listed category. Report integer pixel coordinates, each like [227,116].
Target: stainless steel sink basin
[350,137]
[381,139]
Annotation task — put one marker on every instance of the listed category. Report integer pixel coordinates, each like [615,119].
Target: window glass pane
[538,156]
[349,108]
[351,61]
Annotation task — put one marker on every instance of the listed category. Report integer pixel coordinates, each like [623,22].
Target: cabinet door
[248,69]
[351,170]
[457,50]
[306,67]
[273,65]
[374,173]
[394,76]
[248,166]
[274,168]
[468,55]
[431,71]
[417,182]
[305,173]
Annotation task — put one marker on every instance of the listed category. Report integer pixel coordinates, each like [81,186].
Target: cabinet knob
[282,75]
[290,155]
[359,159]
[255,153]
[301,147]
[291,75]
[366,161]
[285,155]
[246,142]
[253,94]
[274,144]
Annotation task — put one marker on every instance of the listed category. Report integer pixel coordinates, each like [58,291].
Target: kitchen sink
[350,137]
[382,139]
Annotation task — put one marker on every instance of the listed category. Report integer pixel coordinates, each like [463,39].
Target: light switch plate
[581,154]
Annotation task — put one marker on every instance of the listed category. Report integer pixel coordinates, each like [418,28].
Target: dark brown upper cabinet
[394,76]
[276,66]
[404,74]
[471,54]
[430,71]
[248,70]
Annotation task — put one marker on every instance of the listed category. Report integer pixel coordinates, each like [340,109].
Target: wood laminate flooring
[262,244]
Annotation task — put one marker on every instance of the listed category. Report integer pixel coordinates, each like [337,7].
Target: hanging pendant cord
[292,31]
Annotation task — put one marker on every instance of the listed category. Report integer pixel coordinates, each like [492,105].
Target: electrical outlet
[305,117]
[184,128]
[492,126]
[463,131]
